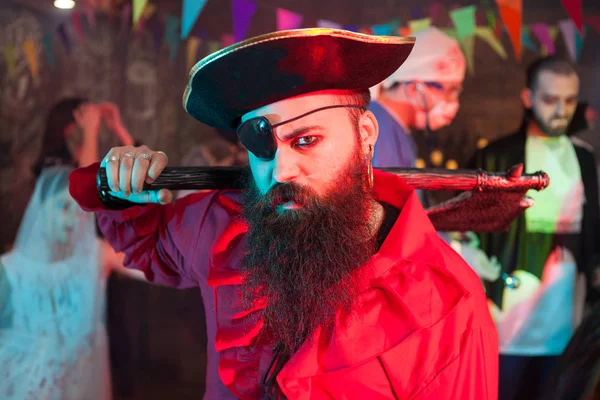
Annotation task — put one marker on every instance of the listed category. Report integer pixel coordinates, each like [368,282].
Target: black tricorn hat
[268,68]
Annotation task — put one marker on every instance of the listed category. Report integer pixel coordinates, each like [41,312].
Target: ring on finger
[112,158]
[129,155]
[163,153]
[144,156]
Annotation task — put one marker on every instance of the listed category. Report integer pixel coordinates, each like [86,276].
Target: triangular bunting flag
[243,11]
[526,40]
[575,12]
[543,35]
[172,35]
[511,12]
[579,42]
[9,58]
[31,55]
[418,25]
[48,50]
[138,8]
[468,46]
[146,15]
[288,20]
[568,29]
[63,35]
[193,44]
[189,15]
[77,26]
[464,22]
[322,23]
[487,34]
[382,29]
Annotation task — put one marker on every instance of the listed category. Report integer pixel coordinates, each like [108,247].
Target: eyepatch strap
[318,109]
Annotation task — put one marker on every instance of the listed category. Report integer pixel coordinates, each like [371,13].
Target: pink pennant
[541,31]
[288,20]
[575,12]
[77,26]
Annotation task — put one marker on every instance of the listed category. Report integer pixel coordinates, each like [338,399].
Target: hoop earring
[369,161]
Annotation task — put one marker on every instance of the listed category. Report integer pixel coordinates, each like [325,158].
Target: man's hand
[128,167]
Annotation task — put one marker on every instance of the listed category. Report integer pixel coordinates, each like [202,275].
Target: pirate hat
[268,68]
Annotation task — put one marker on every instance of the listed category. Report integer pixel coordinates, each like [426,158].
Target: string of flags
[468,23]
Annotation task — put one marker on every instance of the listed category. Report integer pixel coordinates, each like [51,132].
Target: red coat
[421,329]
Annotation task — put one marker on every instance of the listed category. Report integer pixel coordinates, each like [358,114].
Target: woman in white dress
[53,342]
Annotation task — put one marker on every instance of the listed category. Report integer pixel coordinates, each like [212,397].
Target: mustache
[283,193]
[558,122]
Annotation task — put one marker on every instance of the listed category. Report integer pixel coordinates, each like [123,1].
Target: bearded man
[550,252]
[325,279]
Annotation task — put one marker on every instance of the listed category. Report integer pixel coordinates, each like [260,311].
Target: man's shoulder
[435,290]
[415,305]
[582,145]
[380,112]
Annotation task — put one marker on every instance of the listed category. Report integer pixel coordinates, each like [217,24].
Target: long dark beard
[304,262]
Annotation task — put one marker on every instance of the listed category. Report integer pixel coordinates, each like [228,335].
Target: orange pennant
[512,16]
[32,58]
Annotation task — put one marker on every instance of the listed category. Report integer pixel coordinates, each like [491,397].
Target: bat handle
[189,178]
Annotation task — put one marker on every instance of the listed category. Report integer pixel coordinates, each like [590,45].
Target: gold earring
[370,165]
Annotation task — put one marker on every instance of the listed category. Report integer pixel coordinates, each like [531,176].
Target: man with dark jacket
[548,253]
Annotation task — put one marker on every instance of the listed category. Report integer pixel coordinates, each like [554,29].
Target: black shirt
[389,219]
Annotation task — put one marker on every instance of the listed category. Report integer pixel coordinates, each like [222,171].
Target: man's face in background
[552,101]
